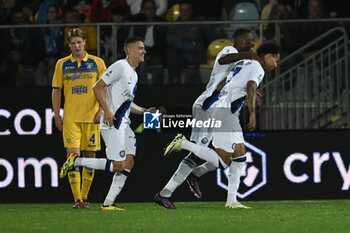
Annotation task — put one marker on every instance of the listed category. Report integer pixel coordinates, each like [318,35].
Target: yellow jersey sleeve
[57,80]
[101,67]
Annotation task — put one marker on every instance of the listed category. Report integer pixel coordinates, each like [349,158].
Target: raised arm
[251,100]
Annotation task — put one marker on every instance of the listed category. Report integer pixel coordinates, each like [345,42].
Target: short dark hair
[131,40]
[268,47]
[145,1]
[239,33]
[53,5]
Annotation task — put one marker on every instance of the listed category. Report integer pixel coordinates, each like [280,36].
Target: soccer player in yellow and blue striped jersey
[76,74]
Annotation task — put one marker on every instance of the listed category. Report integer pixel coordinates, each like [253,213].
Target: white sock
[185,168]
[117,185]
[98,164]
[203,169]
[233,178]
[204,153]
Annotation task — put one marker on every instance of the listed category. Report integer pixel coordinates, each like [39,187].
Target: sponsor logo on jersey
[80,89]
[75,76]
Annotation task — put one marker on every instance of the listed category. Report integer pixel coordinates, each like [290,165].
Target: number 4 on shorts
[92,139]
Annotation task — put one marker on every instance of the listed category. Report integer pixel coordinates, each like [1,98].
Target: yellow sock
[88,176]
[74,181]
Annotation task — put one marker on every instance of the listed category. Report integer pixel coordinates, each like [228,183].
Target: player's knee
[224,155]
[239,150]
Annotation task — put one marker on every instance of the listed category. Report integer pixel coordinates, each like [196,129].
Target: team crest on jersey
[89,65]
[68,140]
[122,153]
[204,140]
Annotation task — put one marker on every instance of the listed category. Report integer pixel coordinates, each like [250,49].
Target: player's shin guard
[185,168]
[234,175]
[88,177]
[74,181]
[117,185]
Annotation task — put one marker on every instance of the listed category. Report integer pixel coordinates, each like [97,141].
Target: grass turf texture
[199,217]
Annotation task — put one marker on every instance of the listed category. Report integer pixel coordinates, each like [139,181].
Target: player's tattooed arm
[251,100]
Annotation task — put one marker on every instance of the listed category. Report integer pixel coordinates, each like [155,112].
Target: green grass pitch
[199,217]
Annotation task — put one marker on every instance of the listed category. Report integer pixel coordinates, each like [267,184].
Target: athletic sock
[204,153]
[74,181]
[234,176]
[93,163]
[117,185]
[203,169]
[185,168]
[88,177]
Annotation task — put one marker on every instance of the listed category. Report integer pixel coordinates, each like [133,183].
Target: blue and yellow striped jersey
[77,79]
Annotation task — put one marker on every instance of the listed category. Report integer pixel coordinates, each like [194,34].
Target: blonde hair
[75,32]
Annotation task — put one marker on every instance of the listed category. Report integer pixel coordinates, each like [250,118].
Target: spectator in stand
[73,17]
[6,8]
[310,31]
[288,31]
[185,45]
[84,8]
[42,12]
[53,40]
[135,6]
[208,10]
[119,14]
[154,38]
[24,50]
[101,11]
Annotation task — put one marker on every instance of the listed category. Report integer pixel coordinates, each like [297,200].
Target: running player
[243,43]
[241,84]
[77,73]
[115,92]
